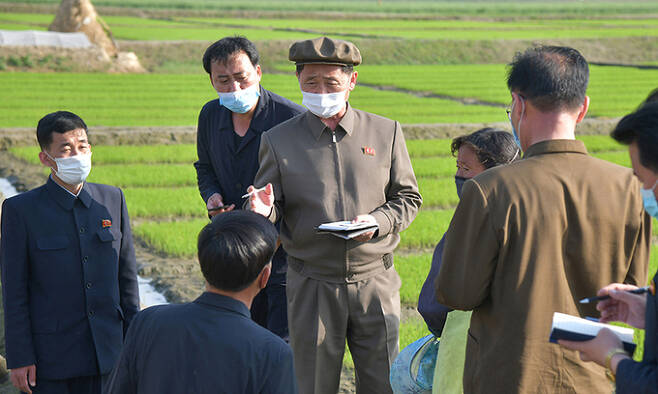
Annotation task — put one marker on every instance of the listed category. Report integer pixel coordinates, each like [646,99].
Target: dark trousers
[78,385]
[270,309]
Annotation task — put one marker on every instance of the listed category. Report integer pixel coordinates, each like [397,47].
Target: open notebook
[573,328]
[346,229]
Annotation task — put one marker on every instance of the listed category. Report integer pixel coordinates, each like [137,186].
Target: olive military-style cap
[325,50]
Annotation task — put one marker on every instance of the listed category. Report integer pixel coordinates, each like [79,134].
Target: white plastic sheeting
[43,39]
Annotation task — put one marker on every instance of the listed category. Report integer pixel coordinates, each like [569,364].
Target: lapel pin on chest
[368,151]
[106,223]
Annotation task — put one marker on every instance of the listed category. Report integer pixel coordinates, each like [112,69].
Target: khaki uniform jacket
[532,238]
[322,176]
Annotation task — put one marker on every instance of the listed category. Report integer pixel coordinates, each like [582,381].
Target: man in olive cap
[335,163]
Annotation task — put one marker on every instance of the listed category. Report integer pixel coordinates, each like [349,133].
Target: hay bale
[80,15]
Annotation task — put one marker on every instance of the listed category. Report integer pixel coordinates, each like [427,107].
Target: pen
[641,290]
[252,192]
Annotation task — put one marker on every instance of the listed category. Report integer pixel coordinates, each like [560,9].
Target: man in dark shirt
[210,345]
[228,140]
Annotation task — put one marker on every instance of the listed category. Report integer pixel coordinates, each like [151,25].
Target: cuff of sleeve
[620,375]
[384,223]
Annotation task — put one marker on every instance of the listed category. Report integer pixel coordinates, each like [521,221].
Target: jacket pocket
[55,242]
[106,236]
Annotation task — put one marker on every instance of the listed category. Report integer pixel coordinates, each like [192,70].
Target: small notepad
[573,328]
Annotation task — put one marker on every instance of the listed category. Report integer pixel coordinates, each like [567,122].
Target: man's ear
[583,110]
[353,77]
[265,275]
[47,161]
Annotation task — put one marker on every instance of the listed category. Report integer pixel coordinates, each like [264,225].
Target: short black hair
[222,50]
[57,122]
[234,248]
[641,127]
[550,77]
[346,68]
[493,147]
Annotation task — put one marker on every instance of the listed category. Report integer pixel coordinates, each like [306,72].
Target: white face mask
[324,105]
[72,170]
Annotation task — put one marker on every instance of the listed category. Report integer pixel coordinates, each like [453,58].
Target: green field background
[409,74]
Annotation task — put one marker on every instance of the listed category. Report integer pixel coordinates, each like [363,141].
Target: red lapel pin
[106,223]
[368,151]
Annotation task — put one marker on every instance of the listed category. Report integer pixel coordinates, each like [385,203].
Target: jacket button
[89,285]
[84,259]
[82,230]
[91,313]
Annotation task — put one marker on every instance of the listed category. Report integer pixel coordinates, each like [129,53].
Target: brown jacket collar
[555,146]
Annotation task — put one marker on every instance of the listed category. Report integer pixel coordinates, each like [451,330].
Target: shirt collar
[223,302]
[65,198]
[317,127]
[555,146]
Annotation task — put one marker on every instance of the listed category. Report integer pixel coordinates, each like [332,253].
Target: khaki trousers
[323,315]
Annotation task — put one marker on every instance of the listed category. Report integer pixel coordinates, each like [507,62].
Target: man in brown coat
[536,236]
[333,163]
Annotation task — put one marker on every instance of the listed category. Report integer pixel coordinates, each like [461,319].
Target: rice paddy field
[432,79]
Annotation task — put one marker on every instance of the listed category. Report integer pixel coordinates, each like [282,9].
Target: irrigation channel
[148,296]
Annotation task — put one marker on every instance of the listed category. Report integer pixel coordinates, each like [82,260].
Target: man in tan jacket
[536,236]
[328,164]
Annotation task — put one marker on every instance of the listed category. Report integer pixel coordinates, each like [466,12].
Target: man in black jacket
[211,345]
[228,140]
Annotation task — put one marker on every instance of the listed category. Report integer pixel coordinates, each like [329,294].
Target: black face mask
[459,182]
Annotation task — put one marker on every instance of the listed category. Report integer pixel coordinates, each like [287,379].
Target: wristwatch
[608,359]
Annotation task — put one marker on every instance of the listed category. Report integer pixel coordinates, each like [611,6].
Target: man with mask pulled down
[69,277]
[332,163]
[228,139]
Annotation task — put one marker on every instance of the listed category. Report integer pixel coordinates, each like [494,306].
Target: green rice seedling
[600,143]
[438,192]
[427,229]
[124,154]
[144,175]
[434,167]
[165,202]
[620,157]
[177,238]
[413,270]
[429,148]
[175,99]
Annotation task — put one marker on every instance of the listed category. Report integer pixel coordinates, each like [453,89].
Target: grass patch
[171,238]
[413,270]
[165,202]
[434,167]
[438,193]
[144,175]
[124,154]
[427,229]
[620,157]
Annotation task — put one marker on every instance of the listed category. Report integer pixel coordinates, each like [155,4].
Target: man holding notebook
[536,236]
[334,163]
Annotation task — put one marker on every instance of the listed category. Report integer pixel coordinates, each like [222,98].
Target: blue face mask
[240,101]
[514,131]
[459,182]
[649,201]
